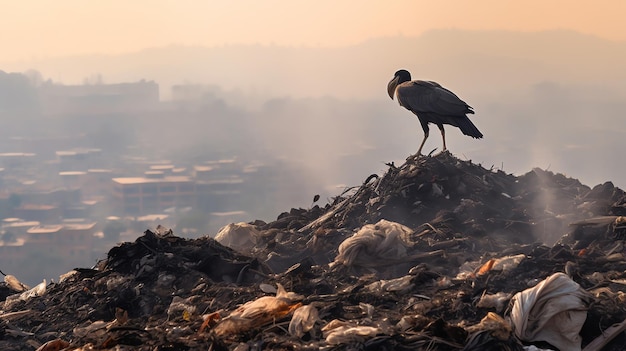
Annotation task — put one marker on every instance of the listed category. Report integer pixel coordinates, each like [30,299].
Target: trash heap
[435,254]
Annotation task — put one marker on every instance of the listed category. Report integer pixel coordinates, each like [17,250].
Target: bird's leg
[443,136]
[419,151]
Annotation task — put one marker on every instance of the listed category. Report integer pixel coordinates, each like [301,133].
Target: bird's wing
[426,96]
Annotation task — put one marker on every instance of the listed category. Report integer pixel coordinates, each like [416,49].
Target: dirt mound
[428,256]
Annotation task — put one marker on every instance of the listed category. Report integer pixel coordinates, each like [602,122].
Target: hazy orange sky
[52,28]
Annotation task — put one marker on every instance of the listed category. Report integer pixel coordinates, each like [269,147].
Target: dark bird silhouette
[432,103]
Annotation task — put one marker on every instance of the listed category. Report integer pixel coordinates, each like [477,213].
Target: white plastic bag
[553,311]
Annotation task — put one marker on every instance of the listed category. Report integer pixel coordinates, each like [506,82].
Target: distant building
[219,194]
[56,197]
[76,241]
[194,92]
[98,183]
[78,159]
[38,212]
[167,169]
[201,172]
[99,99]
[137,196]
[73,179]
[47,235]
[19,228]
[17,160]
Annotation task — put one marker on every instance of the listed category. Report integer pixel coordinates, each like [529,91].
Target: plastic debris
[375,245]
[400,285]
[37,290]
[303,320]
[337,332]
[15,284]
[241,236]
[254,314]
[497,301]
[553,311]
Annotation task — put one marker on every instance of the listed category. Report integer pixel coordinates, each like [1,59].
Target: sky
[56,28]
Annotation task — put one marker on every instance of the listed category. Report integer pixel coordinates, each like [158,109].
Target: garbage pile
[435,254]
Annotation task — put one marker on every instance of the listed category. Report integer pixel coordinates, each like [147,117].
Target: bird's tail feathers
[468,128]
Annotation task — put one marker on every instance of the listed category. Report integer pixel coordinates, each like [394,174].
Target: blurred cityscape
[74,180]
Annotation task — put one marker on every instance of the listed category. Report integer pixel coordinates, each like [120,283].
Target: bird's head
[398,78]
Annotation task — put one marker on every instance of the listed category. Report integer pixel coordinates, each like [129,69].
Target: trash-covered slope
[427,256]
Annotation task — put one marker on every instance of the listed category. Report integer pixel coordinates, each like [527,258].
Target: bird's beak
[391,87]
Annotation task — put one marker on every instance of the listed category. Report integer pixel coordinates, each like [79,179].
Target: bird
[432,103]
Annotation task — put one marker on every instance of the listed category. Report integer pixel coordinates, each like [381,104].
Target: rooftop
[161,167]
[202,168]
[21,224]
[36,207]
[17,242]
[142,180]
[79,226]
[17,154]
[71,173]
[229,213]
[152,217]
[232,180]
[45,229]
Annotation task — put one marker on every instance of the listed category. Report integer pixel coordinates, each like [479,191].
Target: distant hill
[463,59]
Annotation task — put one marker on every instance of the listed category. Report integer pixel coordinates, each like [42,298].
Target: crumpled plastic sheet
[303,320]
[374,244]
[497,301]
[241,236]
[338,332]
[258,312]
[400,285]
[553,311]
[37,290]
[15,284]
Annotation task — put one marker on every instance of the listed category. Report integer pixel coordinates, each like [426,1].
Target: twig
[433,228]
[14,315]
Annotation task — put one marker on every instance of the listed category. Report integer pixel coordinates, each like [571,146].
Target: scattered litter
[496,301]
[241,236]
[257,313]
[37,290]
[553,311]
[303,320]
[337,332]
[375,245]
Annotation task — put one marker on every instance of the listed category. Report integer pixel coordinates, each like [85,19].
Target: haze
[546,78]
